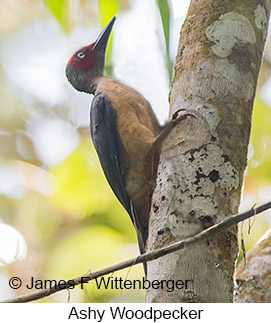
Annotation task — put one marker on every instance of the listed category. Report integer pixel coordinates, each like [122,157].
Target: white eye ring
[81,55]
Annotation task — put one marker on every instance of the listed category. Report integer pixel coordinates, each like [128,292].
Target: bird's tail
[140,235]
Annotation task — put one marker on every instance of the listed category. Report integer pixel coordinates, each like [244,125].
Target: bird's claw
[176,117]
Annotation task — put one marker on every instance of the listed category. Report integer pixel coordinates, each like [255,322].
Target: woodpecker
[124,131]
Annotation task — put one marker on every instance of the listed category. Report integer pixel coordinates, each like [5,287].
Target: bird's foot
[176,118]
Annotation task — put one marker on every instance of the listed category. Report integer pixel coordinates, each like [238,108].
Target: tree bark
[203,159]
[253,277]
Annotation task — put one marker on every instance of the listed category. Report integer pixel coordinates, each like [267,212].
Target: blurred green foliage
[107,9]
[164,11]
[81,188]
[259,165]
[60,10]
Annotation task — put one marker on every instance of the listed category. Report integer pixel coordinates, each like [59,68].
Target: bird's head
[85,67]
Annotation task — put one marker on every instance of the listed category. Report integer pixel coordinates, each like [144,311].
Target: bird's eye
[81,55]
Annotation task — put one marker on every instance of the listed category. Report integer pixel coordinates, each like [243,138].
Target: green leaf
[164,10]
[60,10]
[107,9]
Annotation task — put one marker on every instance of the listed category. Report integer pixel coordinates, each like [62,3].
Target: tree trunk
[253,277]
[203,159]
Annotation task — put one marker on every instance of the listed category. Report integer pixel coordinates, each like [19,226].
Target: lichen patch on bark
[230,29]
[260,17]
[238,83]
[205,173]
[210,80]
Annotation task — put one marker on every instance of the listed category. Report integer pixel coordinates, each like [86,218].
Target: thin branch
[234,219]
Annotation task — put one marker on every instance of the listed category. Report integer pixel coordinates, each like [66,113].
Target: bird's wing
[105,137]
[107,143]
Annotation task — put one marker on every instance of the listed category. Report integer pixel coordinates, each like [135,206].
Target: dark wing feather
[107,143]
